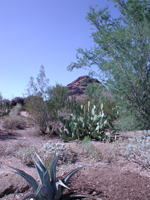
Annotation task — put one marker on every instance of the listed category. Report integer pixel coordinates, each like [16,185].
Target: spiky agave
[49,189]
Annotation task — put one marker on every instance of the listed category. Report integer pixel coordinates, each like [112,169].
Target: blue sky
[42,32]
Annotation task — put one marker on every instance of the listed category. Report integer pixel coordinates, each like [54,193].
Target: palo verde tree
[122,54]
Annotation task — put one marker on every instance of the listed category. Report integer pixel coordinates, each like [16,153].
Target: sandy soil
[106,175]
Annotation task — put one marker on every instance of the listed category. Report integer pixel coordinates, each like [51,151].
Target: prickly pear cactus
[82,124]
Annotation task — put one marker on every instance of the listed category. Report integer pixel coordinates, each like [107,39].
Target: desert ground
[106,173]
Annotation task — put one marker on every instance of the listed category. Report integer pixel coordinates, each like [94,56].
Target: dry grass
[14,122]
[108,152]
[102,152]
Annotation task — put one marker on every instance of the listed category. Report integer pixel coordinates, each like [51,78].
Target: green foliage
[50,188]
[94,90]
[36,106]
[81,124]
[127,120]
[86,139]
[70,103]
[84,82]
[57,97]
[122,54]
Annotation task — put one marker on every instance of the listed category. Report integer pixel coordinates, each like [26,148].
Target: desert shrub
[48,150]
[138,149]
[25,155]
[14,122]
[36,106]
[43,102]
[57,97]
[36,100]
[16,110]
[58,94]
[127,121]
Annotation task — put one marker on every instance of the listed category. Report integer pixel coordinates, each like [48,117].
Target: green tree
[122,54]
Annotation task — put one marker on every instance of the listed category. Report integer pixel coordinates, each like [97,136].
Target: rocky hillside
[78,86]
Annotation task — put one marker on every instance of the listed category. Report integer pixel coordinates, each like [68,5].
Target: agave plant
[49,189]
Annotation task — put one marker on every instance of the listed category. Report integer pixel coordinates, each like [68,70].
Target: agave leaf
[42,165]
[39,170]
[74,196]
[31,195]
[34,184]
[68,177]
[58,192]
[43,193]
[44,175]
[46,181]
[53,169]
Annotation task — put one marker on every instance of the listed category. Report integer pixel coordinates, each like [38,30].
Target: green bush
[57,96]
[127,120]
[36,106]
[81,124]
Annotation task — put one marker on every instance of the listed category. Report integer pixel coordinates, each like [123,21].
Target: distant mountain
[78,86]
